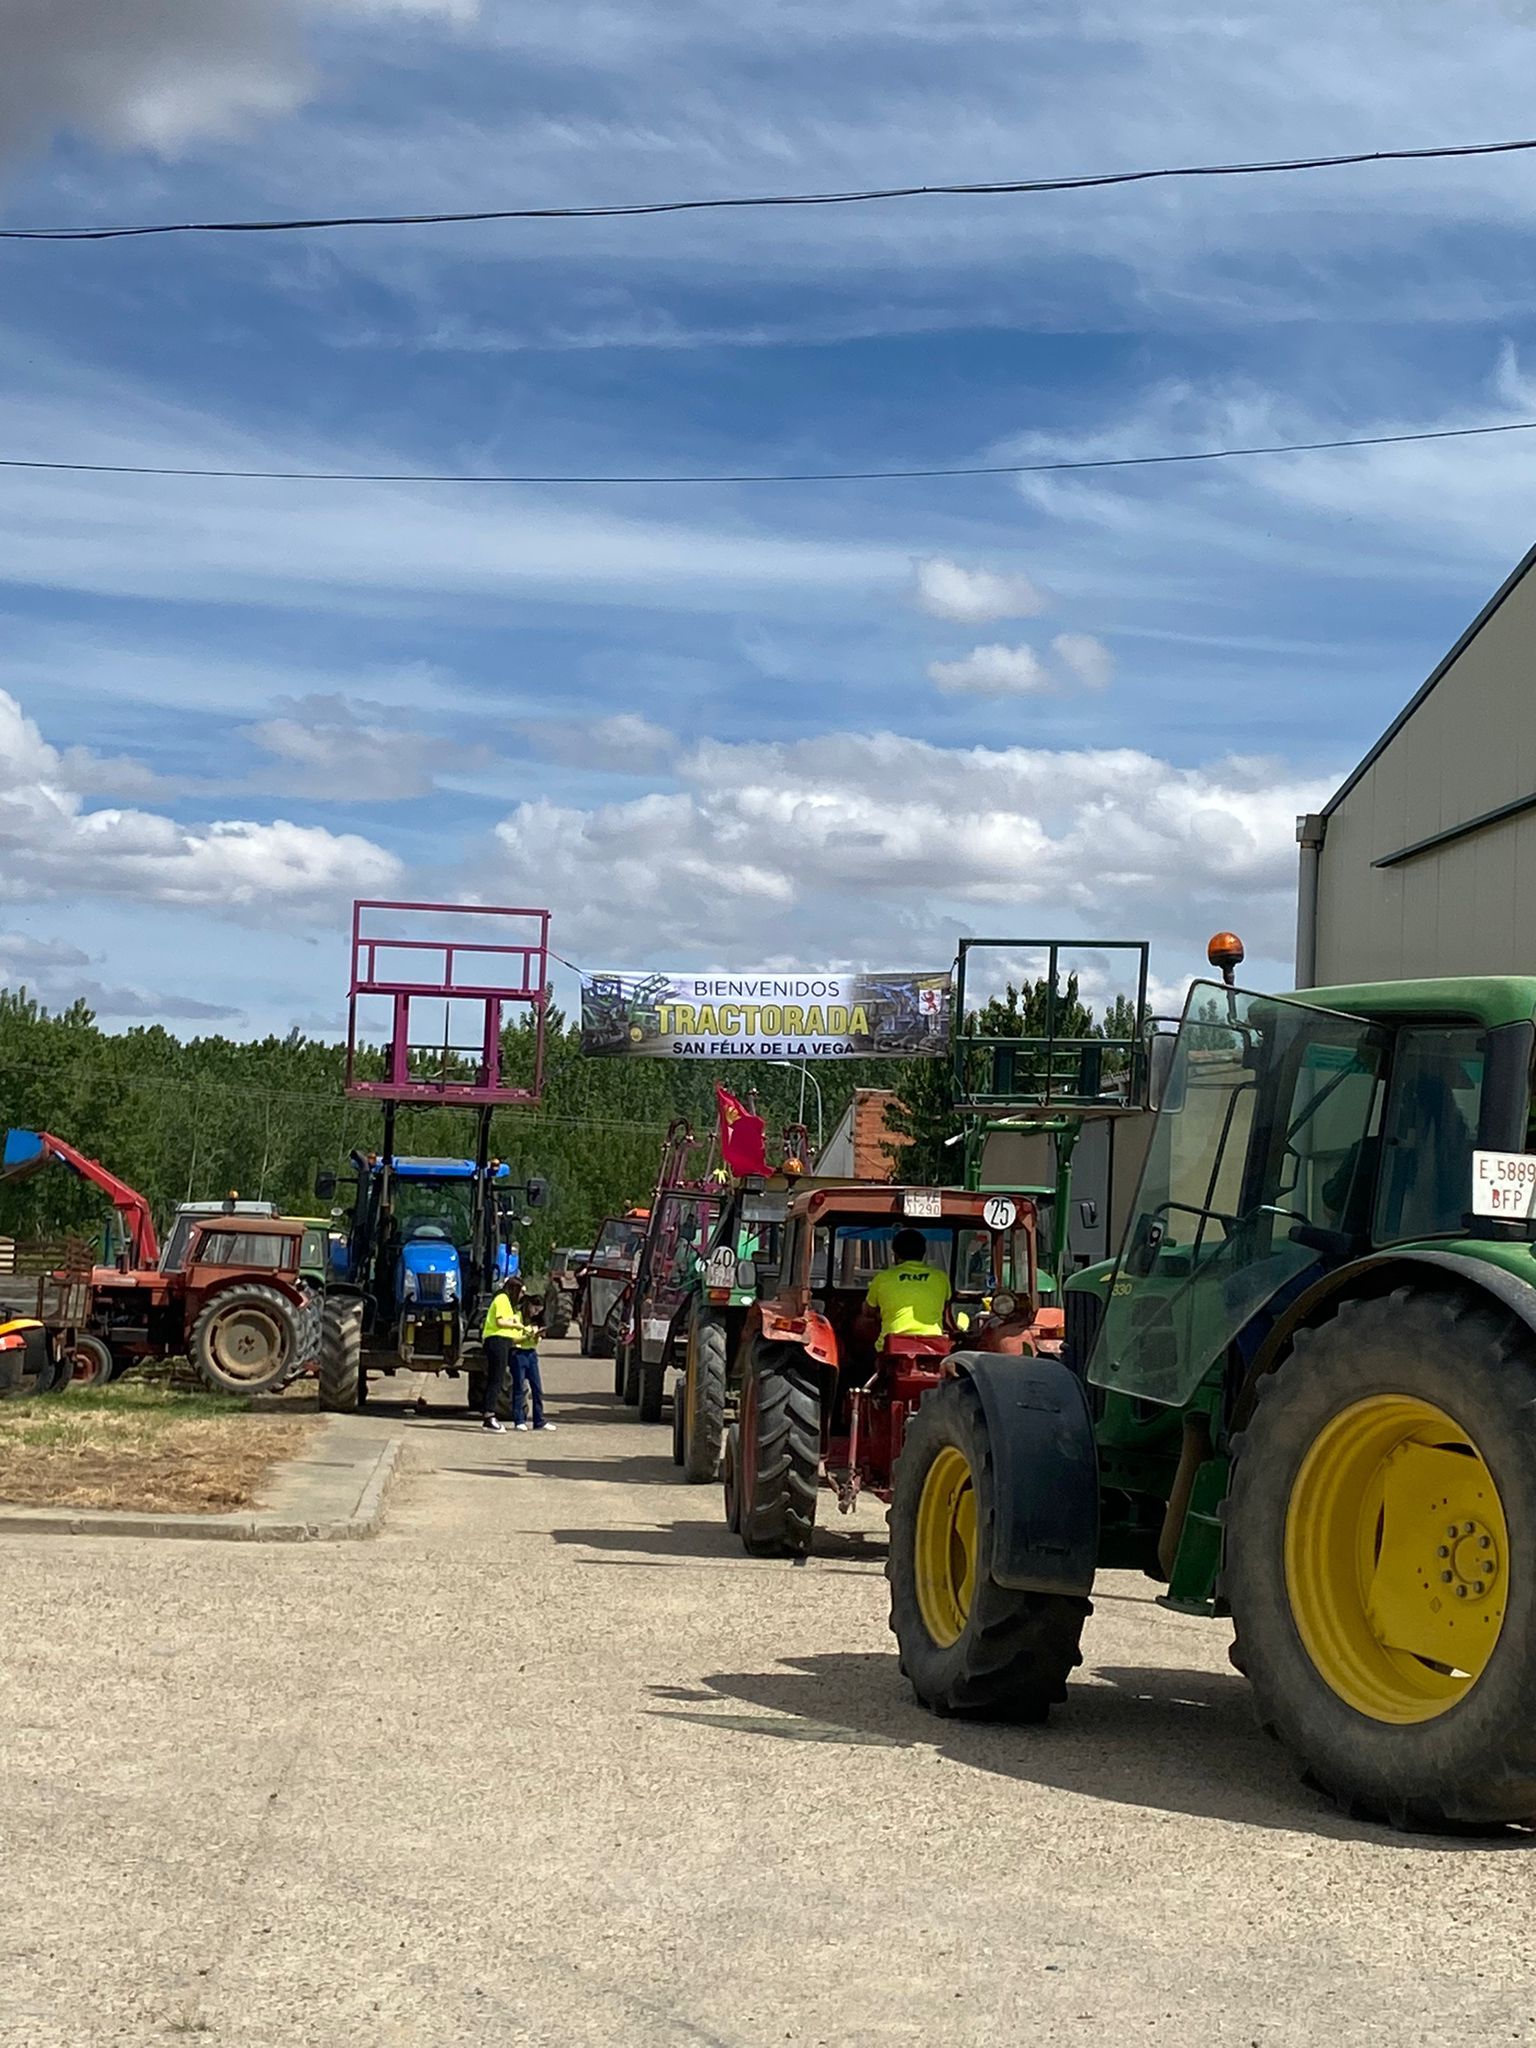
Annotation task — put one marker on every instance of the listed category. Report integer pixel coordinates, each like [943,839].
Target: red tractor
[824,1399]
[239,1308]
[688,1197]
[605,1281]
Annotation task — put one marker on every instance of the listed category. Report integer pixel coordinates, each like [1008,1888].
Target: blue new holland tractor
[427,1241]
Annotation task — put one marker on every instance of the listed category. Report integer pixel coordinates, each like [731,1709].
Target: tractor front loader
[1303,1396]
[429,1239]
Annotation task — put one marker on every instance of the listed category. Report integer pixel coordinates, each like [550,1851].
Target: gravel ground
[552,1762]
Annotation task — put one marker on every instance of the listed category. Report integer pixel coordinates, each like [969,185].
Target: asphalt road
[552,1762]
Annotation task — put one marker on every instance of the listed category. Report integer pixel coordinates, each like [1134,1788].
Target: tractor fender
[1045,1471]
[256,1277]
[1384,1270]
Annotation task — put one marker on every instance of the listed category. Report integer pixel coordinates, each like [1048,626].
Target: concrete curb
[366,1518]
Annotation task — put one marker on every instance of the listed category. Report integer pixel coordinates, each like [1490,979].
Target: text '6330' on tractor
[428,1239]
[1303,1396]
[825,1399]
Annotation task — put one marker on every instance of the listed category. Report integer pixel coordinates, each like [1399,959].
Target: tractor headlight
[1004,1304]
[408,1287]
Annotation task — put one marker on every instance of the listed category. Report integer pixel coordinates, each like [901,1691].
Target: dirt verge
[142,1446]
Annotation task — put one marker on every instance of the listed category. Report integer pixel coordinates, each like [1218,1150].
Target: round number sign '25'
[999,1213]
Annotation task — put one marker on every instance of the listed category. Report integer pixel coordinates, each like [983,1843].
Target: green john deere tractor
[1304,1397]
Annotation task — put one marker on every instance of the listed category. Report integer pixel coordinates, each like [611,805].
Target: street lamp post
[801,1068]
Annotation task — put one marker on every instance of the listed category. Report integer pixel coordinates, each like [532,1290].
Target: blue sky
[727,726]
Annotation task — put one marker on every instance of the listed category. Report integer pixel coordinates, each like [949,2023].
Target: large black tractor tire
[307,1357]
[474,1391]
[779,1459]
[557,1312]
[341,1378]
[653,1388]
[700,1398]
[730,1478]
[246,1339]
[584,1335]
[968,1646]
[626,1372]
[677,1422]
[601,1341]
[1380,1538]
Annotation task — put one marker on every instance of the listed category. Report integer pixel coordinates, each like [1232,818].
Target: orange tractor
[823,1400]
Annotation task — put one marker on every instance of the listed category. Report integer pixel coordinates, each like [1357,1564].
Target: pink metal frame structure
[385,965]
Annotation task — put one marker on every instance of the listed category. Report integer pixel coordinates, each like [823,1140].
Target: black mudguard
[1045,1471]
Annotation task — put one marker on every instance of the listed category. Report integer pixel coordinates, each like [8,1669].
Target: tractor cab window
[243,1248]
[1254,1178]
[619,1240]
[1425,1178]
[435,1211]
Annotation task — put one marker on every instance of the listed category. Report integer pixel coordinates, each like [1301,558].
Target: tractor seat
[915,1347]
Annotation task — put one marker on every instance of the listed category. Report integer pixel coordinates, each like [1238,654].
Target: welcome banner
[778,1015]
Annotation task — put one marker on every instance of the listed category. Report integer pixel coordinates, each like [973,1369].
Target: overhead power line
[761,476]
[637,209]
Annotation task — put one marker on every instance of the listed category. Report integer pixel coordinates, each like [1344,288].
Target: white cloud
[158,74]
[995,671]
[975,597]
[1088,659]
[624,744]
[50,846]
[51,971]
[351,751]
[853,846]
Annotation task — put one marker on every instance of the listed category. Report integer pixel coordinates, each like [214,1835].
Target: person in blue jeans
[527,1384]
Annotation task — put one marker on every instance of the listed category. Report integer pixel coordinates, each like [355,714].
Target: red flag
[741,1135]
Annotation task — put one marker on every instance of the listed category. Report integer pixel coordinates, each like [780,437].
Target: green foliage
[927,1114]
[192,1119]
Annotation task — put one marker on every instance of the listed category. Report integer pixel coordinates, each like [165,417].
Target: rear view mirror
[325,1186]
[537,1192]
[1088,1214]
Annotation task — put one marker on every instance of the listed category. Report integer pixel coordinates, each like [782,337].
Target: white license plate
[921,1202]
[1504,1184]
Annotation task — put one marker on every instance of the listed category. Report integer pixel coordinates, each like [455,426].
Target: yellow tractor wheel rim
[946,1547]
[1396,1558]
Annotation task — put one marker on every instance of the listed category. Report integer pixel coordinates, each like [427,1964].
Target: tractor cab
[1300,1138]
[834,1368]
[605,1279]
[992,1276]
[427,1238]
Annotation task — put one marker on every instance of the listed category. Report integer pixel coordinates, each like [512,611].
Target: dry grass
[142,1446]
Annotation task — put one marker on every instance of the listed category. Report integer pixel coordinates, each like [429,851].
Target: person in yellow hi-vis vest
[511,1339]
[910,1297]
